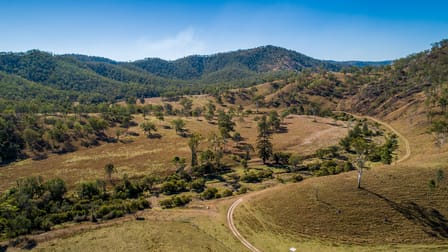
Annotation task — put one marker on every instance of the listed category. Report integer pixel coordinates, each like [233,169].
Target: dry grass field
[143,155]
[167,230]
[395,210]
[199,227]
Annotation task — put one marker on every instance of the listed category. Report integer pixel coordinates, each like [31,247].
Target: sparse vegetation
[94,133]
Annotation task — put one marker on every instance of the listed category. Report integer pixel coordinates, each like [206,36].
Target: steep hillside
[422,77]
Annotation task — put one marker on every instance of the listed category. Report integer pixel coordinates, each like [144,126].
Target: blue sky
[130,30]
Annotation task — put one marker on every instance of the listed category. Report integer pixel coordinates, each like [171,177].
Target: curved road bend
[234,230]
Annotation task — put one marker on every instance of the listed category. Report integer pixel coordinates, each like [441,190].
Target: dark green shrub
[297,178]
[168,188]
[87,190]
[209,193]
[242,190]
[175,201]
[56,187]
[348,167]
[128,189]
[173,186]
[227,193]
[103,210]
[265,174]
[58,218]
[19,225]
[313,166]
[181,200]
[281,158]
[250,177]
[198,185]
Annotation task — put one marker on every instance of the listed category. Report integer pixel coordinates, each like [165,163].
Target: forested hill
[97,79]
[258,60]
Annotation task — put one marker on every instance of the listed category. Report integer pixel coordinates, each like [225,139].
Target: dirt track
[238,201]
[234,230]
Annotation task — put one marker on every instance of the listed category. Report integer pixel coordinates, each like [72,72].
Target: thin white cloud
[182,44]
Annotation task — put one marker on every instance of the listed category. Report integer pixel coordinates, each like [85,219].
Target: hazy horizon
[133,30]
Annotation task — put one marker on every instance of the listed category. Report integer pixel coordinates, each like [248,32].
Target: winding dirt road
[232,208]
[234,230]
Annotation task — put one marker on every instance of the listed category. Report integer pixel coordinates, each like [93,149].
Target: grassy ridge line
[233,228]
[388,126]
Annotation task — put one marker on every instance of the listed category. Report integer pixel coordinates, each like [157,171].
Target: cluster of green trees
[23,135]
[359,141]
[34,204]
[359,146]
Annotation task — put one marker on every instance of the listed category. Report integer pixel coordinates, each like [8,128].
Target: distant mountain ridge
[153,76]
[260,60]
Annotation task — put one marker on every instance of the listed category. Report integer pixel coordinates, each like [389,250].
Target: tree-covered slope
[107,79]
[258,60]
[392,86]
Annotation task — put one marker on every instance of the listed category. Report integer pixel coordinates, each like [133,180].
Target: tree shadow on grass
[155,136]
[282,130]
[432,221]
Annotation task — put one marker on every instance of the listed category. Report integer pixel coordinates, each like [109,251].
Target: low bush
[227,193]
[175,201]
[209,193]
[281,158]
[297,178]
[198,185]
[256,176]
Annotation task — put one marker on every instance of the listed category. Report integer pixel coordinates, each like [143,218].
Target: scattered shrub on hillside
[328,153]
[175,201]
[250,177]
[227,193]
[209,193]
[128,189]
[173,186]
[256,176]
[295,160]
[147,183]
[244,163]
[242,190]
[281,158]
[297,178]
[89,189]
[332,167]
[198,185]
[313,166]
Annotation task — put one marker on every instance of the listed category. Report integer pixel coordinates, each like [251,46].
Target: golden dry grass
[396,210]
[394,213]
[198,101]
[141,156]
[145,155]
[197,228]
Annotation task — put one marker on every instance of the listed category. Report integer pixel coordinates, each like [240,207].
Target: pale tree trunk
[360,164]
[359,177]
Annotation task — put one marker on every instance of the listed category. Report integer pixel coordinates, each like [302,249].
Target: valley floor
[395,210]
